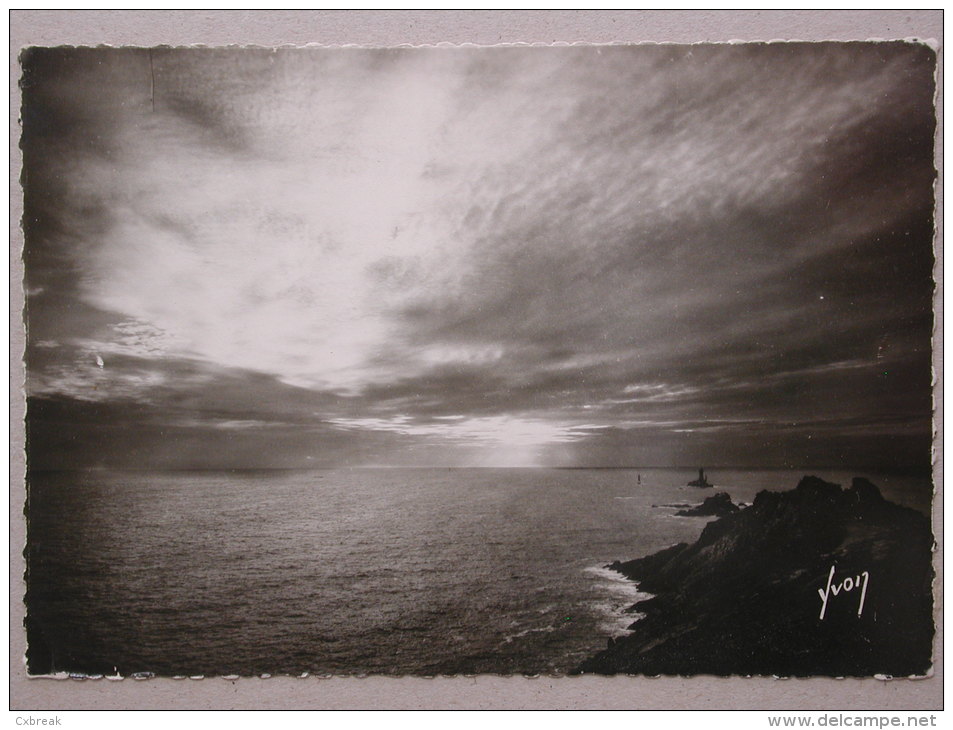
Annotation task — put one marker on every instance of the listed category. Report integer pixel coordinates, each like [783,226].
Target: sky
[653,255]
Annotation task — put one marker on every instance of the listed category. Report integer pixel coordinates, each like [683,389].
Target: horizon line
[377,467]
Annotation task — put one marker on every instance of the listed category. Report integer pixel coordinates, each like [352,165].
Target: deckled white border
[410,29]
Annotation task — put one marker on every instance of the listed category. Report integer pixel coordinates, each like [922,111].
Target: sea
[356,571]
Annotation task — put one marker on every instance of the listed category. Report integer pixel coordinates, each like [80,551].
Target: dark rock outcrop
[717,505]
[744,598]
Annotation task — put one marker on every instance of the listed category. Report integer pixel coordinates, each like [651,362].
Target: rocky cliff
[815,581]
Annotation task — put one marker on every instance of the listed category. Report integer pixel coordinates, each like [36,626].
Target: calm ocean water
[402,571]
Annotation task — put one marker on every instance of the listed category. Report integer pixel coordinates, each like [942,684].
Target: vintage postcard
[510,360]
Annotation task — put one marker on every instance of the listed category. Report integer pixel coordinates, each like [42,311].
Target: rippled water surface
[408,571]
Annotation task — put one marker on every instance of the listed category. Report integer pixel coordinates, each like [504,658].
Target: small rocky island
[718,505]
[817,581]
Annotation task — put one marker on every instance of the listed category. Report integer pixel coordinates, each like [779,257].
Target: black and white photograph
[513,360]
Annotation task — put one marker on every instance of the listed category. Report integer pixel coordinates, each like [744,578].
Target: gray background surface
[269,28]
